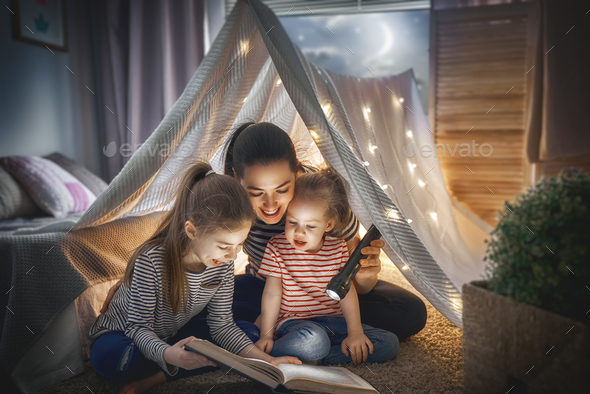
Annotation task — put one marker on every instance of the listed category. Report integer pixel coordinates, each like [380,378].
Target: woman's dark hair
[211,202]
[325,187]
[259,143]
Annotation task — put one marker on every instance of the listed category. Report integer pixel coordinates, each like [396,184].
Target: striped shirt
[142,313]
[261,233]
[304,276]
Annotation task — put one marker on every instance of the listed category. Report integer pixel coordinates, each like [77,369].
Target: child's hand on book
[265,343]
[285,360]
[359,347]
[177,355]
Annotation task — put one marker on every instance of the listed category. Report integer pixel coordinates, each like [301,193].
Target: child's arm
[356,342]
[271,304]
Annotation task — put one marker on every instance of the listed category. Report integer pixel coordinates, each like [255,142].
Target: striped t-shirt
[304,276]
[261,233]
[142,313]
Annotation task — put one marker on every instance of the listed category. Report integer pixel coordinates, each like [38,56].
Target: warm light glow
[412,166]
[421,183]
[372,148]
[401,99]
[366,163]
[367,110]
[279,82]
[409,133]
[326,108]
[405,267]
[244,46]
[434,215]
[362,230]
[246,98]
[314,134]
[409,220]
[384,187]
[392,214]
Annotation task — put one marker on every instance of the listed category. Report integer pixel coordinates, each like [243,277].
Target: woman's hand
[371,266]
[265,343]
[285,360]
[367,276]
[176,355]
[359,347]
[112,291]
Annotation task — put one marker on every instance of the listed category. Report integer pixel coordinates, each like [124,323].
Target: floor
[428,362]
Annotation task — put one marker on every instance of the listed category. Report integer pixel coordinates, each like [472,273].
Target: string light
[392,214]
[326,108]
[366,163]
[421,183]
[401,99]
[384,187]
[412,166]
[434,215]
[405,267]
[314,134]
[409,133]
[367,110]
[246,98]
[409,220]
[372,148]
[279,82]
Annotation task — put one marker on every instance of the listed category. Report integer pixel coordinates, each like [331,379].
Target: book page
[331,375]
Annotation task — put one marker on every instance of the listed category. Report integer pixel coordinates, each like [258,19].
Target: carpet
[428,362]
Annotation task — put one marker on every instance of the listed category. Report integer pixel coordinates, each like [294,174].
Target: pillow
[14,200]
[54,189]
[91,181]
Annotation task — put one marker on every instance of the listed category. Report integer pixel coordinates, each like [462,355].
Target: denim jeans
[115,357]
[320,339]
[387,306]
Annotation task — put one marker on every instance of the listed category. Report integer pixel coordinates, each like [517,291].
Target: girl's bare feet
[145,384]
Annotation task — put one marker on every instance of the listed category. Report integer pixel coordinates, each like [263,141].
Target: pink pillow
[52,188]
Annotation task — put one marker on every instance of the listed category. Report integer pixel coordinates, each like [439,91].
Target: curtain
[148,52]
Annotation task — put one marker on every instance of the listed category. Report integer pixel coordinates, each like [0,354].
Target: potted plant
[525,329]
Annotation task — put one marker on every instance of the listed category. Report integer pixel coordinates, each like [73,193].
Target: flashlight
[340,284]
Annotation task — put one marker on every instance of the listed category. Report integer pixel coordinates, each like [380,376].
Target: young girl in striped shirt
[185,266]
[298,318]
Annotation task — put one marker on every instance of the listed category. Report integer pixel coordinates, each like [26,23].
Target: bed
[54,278]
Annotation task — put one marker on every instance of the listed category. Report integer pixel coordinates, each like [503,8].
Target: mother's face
[270,188]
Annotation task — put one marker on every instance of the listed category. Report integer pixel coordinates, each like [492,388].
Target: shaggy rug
[428,362]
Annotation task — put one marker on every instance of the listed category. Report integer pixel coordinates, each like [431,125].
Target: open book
[286,377]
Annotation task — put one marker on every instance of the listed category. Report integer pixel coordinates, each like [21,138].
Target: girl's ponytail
[211,202]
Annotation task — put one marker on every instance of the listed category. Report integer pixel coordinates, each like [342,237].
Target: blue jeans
[115,357]
[387,306]
[320,339]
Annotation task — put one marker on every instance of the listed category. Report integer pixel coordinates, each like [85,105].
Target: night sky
[388,43]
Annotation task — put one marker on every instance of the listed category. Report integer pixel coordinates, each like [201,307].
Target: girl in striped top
[298,318]
[183,269]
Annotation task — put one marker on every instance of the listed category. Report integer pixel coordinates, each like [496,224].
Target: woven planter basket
[516,347]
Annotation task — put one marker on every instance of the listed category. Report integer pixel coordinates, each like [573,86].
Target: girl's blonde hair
[211,202]
[326,187]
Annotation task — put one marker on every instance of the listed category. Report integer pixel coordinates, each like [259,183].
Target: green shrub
[540,251]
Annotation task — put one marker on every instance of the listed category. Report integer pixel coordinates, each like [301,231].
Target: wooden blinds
[479,67]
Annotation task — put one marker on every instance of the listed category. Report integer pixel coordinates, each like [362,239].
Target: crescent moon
[388,39]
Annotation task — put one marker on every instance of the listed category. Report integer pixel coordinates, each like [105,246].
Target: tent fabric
[253,72]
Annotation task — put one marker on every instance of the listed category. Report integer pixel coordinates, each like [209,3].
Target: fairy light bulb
[409,220]
[325,108]
[246,98]
[314,134]
[279,82]
[366,163]
[392,214]
[405,267]
[412,166]
[401,100]
[372,148]
[434,215]
[421,183]
[384,187]
[409,133]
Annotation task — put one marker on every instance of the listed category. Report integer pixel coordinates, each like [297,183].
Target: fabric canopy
[367,129]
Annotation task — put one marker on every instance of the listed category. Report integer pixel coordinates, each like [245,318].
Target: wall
[45,108]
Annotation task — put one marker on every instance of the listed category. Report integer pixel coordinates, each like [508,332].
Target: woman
[263,158]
